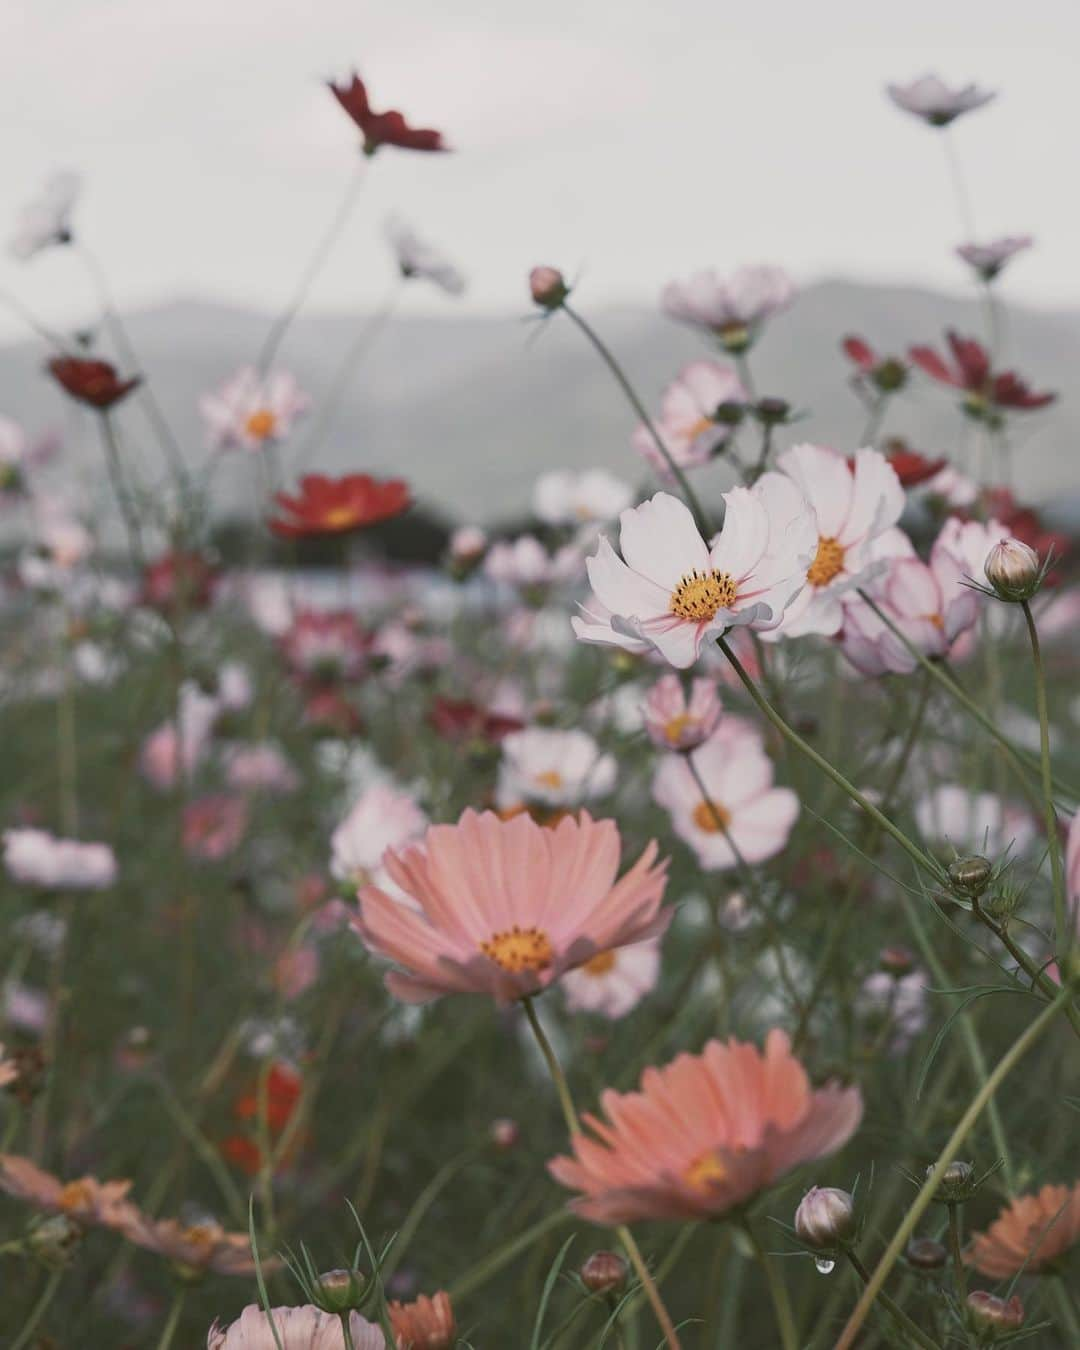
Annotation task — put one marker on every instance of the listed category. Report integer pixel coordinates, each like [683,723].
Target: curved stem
[566,1101]
[893,1309]
[922,1201]
[1053,844]
[785,1319]
[174,1320]
[41,1307]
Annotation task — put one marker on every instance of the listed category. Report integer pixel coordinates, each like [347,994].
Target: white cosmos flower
[672,591]
[564,497]
[382,818]
[733,308]
[417,258]
[854,504]
[969,541]
[555,768]
[930,98]
[973,822]
[613,982]
[251,410]
[687,423]
[526,563]
[46,220]
[38,858]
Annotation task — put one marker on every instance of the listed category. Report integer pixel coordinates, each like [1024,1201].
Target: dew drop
[824,1266]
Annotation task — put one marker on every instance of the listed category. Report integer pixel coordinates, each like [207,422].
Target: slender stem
[346,1330]
[598,344]
[791,735]
[785,1319]
[922,1201]
[1068,1309]
[41,1307]
[746,375]
[504,1253]
[174,1319]
[956,174]
[119,488]
[1050,815]
[643,1273]
[892,1308]
[956,1251]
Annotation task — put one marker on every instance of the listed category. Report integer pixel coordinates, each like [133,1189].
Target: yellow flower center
[261,424]
[600,964]
[338,517]
[936,620]
[705,1172]
[202,1236]
[699,428]
[675,726]
[828,562]
[711,817]
[519,949]
[699,595]
[550,778]
[76,1195]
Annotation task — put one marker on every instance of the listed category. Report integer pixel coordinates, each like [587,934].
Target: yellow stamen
[600,964]
[699,428]
[705,1172]
[699,595]
[519,949]
[828,562]
[550,778]
[338,517]
[261,424]
[711,817]
[937,621]
[674,728]
[75,1195]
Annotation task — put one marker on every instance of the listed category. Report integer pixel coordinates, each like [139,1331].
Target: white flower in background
[687,425]
[46,220]
[969,541]
[973,822]
[614,982]
[733,308]
[564,497]
[552,768]
[902,1001]
[673,591]
[164,753]
[37,858]
[382,818]
[61,543]
[931,99]
[19,453]
[990,259]
[417,258]
[954,489]
[268,600]
[235,690]
[467,545]
[525,563]
[251,410]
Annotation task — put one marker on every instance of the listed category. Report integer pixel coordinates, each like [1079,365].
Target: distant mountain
[471,409]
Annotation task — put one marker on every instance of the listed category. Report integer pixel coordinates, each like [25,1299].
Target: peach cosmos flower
[197,1247]
[305,1328]
[92,1203]
[704,1134]
[505,907]
[251,410]
[1030,1233]
[425,1324]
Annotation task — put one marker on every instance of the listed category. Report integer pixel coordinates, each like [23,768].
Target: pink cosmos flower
[467,546]
[553,768]
[932,100]
[166,753]
[675,722]
[525,563]
[733,308]
[673,591]
[854,503]
[25,1007]
[37,858]
[250,410]
[326,645]
[955,489]
[197,1248]
[260,767]
[380,819]
[688,425]
[744,815]
[990,259]
[89,1202]
[973,822]
[613,983]
[563,497]
[296,970]
[507,907]
[213,826]
[704,1134]
[304,1328]
[1030,1233]
[969,541]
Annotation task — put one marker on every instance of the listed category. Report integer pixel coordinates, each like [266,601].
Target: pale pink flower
[990,259]
[854,501]
[250,410]
[973,822]
[552,767]
[687,423]
[468,544]
[525,563]
[675,722]
[326,645]
[506,907]
[92,1203]
[296,970]
[37,858]
[900,1001]
[733,308]
[564,497]
[931,99]
[168,751]
[417,258]
[1032,1232]
[261,767]
[46,219]
[673,591]
[213,826]
[305,1328]
[704,1134]
[614,982]
[953,488]
[25,1007]
[969,541]
[743,815]
[382,818]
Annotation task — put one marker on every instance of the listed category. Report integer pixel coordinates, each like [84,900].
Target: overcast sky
[624,140]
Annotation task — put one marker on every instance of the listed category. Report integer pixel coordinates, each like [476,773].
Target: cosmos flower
[675,722]
[89,1202]
[167,751]
[972,822]
[900,1001]
[743,815]
[178,580]
[385,128]
[563,497]
[886,374]
[989,260]
[304,1328]
[417,258]
[553,768]
[692,424]
[462,720]
[196,1248]
[37,858]
[338,505]
[525,563]
[932,100]
[987,391]
[704,1134]
[46,219]
[252,410]
[673,591]
[912,468]
[94,383]
[382,818]
[326,645]
[213,826]
[424,1324]
[260,767]
[733,309]
[969,541]
[613,983]
[506,907]
[1029,1234]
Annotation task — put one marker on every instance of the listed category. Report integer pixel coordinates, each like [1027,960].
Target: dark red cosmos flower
[888,373]
[337,505]
[911,467]
[386,128]
[92,382]
[972,372]
[459,719]
[178,581]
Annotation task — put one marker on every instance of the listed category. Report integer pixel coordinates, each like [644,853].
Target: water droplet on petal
[824,1266]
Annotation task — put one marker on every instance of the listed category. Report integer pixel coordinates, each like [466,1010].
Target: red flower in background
[95,383]
[459,719]
[329,712]
[284,1086]
[888,373]
[971,371]
[386,128]
[338,505]
[178,581]
[911,467]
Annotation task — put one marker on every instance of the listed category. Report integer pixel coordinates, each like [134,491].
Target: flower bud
[925,1253]
[337,1291]
[772,411]
[548,287]
[957,1183]
[971,876]
[987,1312]
[504,1133]
[896,961]
[1013,569]
[603,1273]
[53,1240]
[890,375]
[729,413]
[825,1218]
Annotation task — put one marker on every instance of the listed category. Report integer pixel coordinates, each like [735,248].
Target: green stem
[1050,815]
[119,488]
[785,1319]
[346,1330]
[922,1201]
[174,1320]
[41,1307]
[893,1309]
[1068,1309]
[566,1101]
[956,1251]
[504,1253]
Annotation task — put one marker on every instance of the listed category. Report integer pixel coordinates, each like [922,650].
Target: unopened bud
[504,1133]
[337,1291]
[971,876]
[548,287]
[957,1182]
[1013,569]
[890,375]
[896,961]
[603,1273]
[729,413]
[53,1240]
[825,1218]
[926,1253]
[772,411]
[987,1312]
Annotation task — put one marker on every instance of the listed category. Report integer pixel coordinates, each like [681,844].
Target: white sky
[628,140]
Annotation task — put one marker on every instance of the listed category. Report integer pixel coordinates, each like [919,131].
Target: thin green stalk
[1069,1315]
[504,1253]
[956,1251]
[175,1313]
[115,469]
[346,1330]
[785,1318]
[922,1201]
[1053,843]
[566,1101]
[892,1308]
[40,1308]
